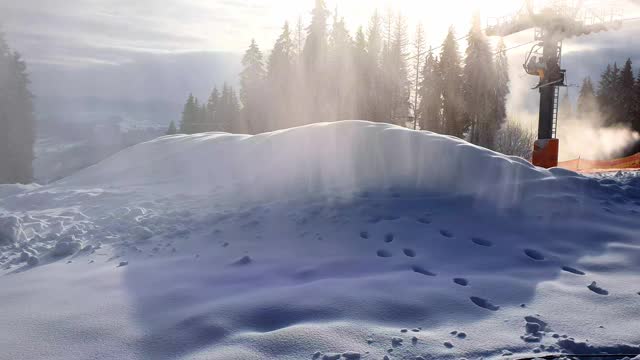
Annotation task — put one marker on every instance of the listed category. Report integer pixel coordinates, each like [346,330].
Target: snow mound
[356,240]
[320,159]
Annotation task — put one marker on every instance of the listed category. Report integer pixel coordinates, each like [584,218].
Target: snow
[315,242]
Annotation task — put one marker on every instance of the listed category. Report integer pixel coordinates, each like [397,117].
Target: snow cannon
[545,153]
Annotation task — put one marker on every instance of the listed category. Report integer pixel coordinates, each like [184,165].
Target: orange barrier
[631,162]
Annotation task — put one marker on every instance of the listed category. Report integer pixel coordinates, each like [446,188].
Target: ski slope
[348,240]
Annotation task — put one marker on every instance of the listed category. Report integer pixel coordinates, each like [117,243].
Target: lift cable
[413,57]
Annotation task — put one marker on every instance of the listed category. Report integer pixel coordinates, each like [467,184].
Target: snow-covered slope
[345,240]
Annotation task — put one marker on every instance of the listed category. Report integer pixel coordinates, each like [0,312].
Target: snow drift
[347,240]
[321,159]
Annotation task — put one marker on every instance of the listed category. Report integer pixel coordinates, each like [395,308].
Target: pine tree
[396,86]
[635,124]
[360,62]
[280,81]
[315,47]
[587,102]
[315,64]
[17,121]
[625,108]
[430,111]
[340,72]
[452,94]
[172,128]
[252,89]
[608,94]
[299,38]
[189,122]
[419,52]
[212,108]
[502,85]
[374,90]
[478,87]
[229,111]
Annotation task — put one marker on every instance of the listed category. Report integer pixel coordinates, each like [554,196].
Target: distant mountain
[87,113]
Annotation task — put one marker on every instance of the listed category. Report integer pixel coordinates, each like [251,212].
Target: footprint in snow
[245,260]
[364,234]
[351,355]
[420,270]
[484,303]
[596,289]
[409,252]
[424,220]
[482,242]
[389,238]
[461,281]
[446,233]
[575,271]
[384,254]
[534,254]
[123,263]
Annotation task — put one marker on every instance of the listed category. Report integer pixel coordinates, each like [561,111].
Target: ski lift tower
[553,21]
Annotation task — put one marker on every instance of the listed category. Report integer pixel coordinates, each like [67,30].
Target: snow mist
[588,138]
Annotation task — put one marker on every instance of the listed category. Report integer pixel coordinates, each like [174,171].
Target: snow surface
[347,240]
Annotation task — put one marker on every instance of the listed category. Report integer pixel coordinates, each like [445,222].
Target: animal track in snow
[534,254]
[461,281]
[575,271]
[482,242]
[409,252]
[384,253]
[420,270]
[446,233]
[484,303]
[596,289]
[364,234]
[424,220]
[245,260]
[389,238]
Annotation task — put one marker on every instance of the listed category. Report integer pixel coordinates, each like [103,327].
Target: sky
[155,43]
[84,32]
